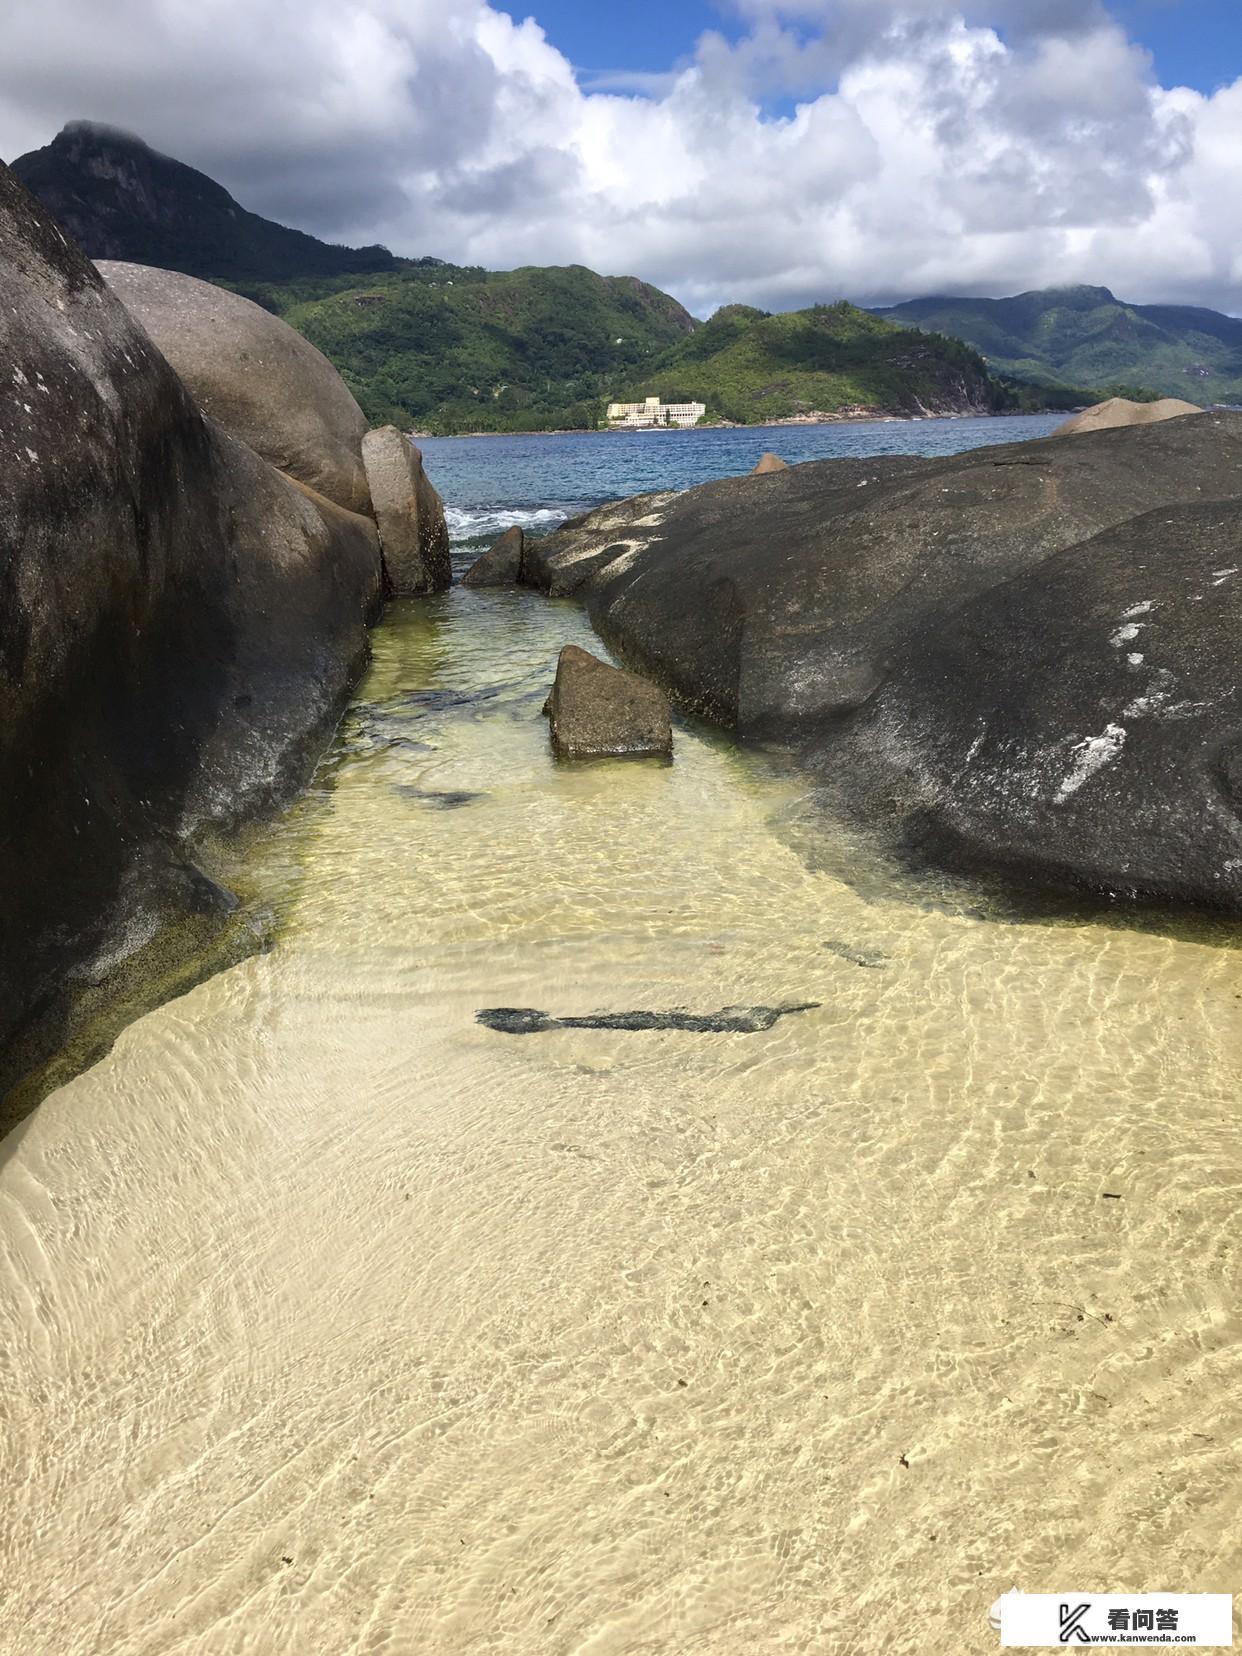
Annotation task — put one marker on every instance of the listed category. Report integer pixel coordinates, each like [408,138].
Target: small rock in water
[730,1020]
[768,462]
[856,957]
[500,565]
[600,712]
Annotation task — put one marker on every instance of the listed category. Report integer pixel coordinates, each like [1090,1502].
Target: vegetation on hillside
[444,348]
[448,348]
[1085,336]
[748,366]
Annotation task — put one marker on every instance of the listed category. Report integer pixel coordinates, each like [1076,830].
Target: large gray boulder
[410,515]
[179,629]
[1080,725]
[1022,658]
[602,712]
[561,563]
[255,375]
[777,604]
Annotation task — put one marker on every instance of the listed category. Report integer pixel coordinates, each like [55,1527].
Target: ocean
[537,481]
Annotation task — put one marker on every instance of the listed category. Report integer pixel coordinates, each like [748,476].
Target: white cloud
[873,148]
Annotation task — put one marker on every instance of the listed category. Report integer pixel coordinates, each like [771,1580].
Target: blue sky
[947,161]
[1193,42]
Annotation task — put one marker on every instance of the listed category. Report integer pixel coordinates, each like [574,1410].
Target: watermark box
[1061,1621]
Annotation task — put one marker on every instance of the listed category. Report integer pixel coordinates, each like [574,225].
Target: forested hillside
[445,348]
[1086,336]
[750,367]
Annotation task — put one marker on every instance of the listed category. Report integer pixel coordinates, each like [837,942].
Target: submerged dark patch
[730,1020]
[440,701]
[446,799]
[368,731]
[856,957]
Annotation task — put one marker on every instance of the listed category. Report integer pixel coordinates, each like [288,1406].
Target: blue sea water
[489,483]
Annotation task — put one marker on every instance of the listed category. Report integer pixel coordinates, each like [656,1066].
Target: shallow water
[332,1320]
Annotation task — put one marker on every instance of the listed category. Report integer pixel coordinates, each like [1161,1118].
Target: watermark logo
[1042,1621]
[1071,1622]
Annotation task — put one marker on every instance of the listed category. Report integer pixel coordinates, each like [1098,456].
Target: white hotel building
[653,412]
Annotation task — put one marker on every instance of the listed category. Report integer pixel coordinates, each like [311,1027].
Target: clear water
[333,1321]
[489,483]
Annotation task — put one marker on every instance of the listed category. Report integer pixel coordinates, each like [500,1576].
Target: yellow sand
[1120,411]
[333,1322]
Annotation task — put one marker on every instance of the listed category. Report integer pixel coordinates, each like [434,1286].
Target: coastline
[868,417]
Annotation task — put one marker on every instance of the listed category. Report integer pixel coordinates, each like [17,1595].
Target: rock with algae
[730,1020]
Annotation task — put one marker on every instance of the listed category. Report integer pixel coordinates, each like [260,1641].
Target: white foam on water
[469,523]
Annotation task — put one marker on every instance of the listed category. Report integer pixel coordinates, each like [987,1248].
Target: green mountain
[750,367]
[120,199]
[419,341]
[1085,336]
[445,348]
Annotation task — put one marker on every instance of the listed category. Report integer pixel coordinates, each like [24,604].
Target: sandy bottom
[332,1321]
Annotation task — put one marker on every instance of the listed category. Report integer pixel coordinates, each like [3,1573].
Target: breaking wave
[467,525]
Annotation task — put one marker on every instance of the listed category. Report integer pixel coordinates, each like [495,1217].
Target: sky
[1192,42]
[772,152]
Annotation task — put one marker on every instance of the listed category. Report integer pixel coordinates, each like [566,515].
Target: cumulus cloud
[808,149]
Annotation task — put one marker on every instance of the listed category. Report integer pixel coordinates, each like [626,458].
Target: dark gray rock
[255,375]
[179,629]
[410,515]
[500,565]
[599,712]
[1080,725]
[936,635]
[561,563]
[778,604]
[731,1020]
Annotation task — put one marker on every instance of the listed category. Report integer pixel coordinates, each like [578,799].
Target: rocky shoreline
[195,553]
[1020,660]
[861,416]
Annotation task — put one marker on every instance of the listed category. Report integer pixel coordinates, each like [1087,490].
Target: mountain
[120,199]
[449,348]
[444,347]
[1088,337]
[750,367]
